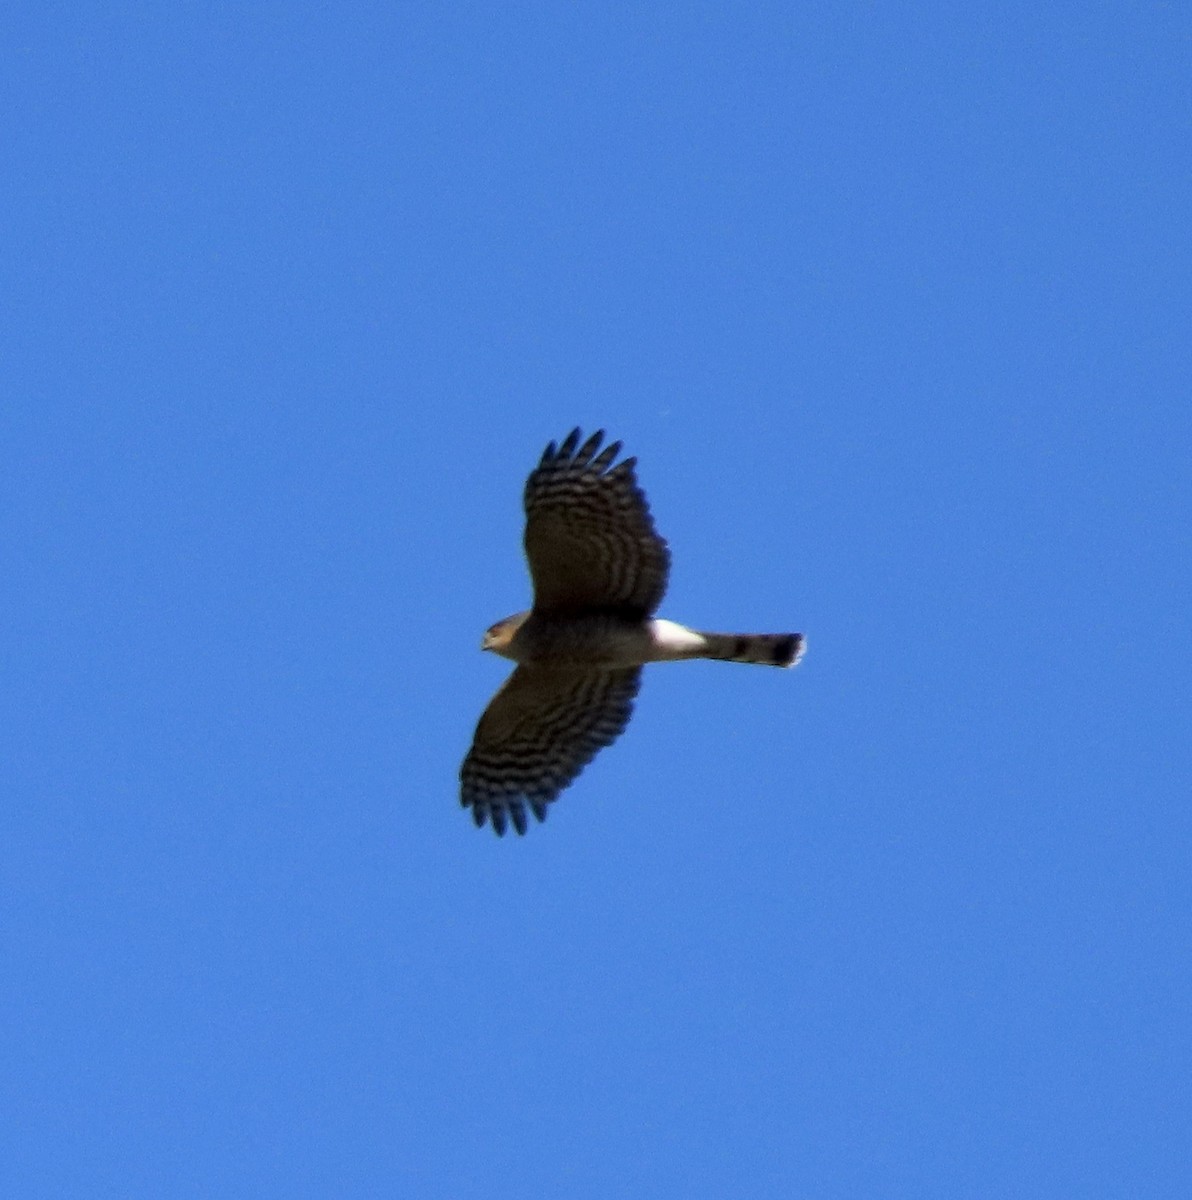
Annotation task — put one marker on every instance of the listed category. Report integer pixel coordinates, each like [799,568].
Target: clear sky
[892,302]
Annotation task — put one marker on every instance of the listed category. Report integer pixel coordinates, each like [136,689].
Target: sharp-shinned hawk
[599,571]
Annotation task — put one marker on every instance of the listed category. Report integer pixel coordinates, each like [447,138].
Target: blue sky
[892,303]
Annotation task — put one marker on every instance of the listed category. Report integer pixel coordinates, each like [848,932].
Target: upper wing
[590,540]
[539,731]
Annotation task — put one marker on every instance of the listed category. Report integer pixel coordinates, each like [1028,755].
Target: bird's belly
[591,641]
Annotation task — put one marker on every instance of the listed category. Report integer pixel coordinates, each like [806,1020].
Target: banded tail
[673,641]
[767,649]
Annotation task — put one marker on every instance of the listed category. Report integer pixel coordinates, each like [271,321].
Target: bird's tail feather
[768,649]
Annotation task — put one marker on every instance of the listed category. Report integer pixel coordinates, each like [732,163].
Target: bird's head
[499,637]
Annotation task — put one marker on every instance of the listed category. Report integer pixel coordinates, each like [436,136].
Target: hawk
[599,571]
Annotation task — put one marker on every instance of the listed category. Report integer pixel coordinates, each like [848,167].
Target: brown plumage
[599,570]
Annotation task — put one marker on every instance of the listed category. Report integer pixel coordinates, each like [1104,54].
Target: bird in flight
[599,571]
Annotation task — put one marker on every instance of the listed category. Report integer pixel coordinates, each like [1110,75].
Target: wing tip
[570,449]
[501,815]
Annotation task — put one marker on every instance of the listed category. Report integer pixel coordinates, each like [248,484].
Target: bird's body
[597,639]
[609,640]
[599,570]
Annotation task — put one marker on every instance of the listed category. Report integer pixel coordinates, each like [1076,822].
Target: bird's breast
[594,640]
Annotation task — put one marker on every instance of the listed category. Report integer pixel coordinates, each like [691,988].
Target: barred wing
[538,733]
[590,539]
